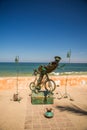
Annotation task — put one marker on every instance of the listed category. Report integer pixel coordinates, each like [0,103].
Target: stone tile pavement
[35,119]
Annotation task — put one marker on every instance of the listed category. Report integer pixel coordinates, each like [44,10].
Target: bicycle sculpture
[43,80]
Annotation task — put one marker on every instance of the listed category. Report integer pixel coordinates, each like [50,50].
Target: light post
[15,96]
[69,55]
[17,61]
[66,94]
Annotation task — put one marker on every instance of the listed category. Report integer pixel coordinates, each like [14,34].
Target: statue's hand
[35,72]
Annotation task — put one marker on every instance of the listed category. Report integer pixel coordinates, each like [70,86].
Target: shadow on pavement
[73,109]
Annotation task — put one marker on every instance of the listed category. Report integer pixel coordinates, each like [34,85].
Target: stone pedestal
[42,97]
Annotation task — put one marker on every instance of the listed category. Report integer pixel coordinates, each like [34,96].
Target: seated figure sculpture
[43,70]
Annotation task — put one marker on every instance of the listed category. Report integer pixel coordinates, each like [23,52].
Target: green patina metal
[43,97]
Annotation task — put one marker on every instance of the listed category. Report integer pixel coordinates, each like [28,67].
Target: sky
[38,30]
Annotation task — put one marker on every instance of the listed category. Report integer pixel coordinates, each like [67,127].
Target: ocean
[26,69]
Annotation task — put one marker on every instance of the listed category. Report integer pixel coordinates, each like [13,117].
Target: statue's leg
[40,79]
[38,87]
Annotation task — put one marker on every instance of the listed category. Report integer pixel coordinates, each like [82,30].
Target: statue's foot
[38,87]
[36,90]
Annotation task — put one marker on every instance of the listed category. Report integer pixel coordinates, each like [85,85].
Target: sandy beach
[68,114]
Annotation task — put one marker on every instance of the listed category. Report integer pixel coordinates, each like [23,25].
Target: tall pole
[69,55]
[17,61]
[66,95]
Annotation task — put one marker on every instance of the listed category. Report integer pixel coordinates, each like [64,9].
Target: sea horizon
[26,68]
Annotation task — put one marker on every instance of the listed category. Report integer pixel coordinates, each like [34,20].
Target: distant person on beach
[43,70]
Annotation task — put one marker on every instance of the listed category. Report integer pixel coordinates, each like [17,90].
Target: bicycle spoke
[50,85]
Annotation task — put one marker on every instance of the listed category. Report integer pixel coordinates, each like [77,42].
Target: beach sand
[68,114]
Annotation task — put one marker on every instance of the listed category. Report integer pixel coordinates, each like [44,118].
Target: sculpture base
[42,97]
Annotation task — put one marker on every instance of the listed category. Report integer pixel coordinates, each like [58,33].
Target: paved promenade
[35,119]
[69,113]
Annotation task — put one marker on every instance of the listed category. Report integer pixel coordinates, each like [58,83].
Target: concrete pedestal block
[42,97]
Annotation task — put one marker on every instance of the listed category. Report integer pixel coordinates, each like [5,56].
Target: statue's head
[57,58]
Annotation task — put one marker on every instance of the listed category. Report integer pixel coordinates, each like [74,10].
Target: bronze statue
[43,70]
